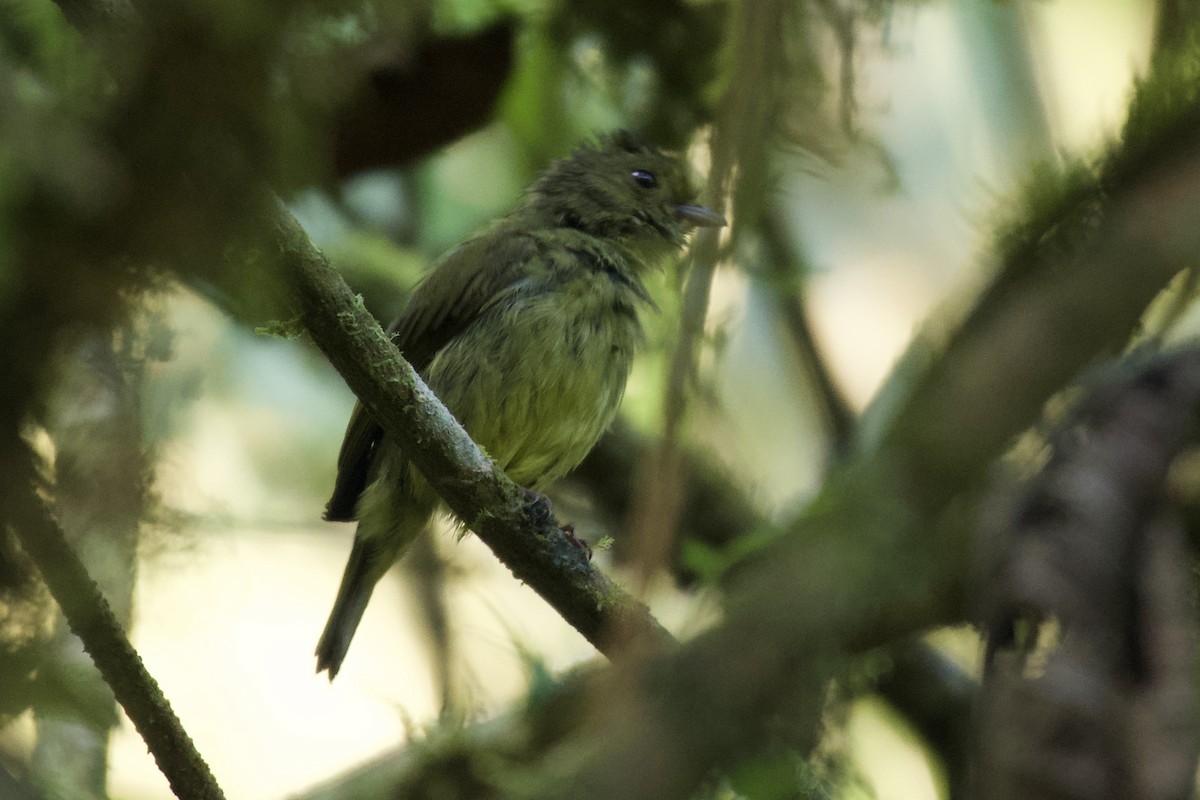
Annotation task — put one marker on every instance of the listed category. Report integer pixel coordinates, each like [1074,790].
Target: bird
[526,332]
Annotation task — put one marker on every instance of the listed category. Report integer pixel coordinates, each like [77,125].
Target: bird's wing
[353,465]
[448,300]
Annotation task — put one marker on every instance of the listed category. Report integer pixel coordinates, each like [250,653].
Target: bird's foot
[541,512]
[538,506]
[568,531]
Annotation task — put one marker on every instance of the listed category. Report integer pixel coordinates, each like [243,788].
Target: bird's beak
[701,216]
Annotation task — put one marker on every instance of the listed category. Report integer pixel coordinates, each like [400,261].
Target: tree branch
[880,555]
[497,510]
[1089,544]
[92,620]
[483,497]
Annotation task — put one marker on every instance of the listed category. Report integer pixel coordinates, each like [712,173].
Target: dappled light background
[957,100]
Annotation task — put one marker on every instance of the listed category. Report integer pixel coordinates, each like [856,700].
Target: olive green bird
[526,332]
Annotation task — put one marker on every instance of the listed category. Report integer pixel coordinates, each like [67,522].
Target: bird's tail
[358,582]
[389,521]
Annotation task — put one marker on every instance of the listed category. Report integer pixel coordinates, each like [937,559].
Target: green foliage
[677,42]
[784,775]
[710,564]
[34,35]
[281,329]
[532,106]
[154,154]
[462,190]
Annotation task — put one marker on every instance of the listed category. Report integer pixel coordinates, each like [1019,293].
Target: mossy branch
[496,509]
[882,554]
[93,621]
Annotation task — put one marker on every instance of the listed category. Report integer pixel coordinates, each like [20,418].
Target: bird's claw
[541,512]
[538,506]
[568,531]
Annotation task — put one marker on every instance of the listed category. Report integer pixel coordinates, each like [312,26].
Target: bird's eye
[645,179]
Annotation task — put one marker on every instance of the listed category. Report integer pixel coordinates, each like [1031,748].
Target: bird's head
[625,190]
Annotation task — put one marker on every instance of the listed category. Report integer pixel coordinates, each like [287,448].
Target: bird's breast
[538,378]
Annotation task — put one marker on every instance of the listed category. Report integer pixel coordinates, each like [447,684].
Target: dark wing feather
[448,300]
[353,465]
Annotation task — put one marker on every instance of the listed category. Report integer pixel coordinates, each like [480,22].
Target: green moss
[351,321]
[281,328]
[1060,204]
[1164,105]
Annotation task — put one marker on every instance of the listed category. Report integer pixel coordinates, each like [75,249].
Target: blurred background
[894,135]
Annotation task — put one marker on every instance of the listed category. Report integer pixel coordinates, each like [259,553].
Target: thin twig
[786,272]
[92,620]
[743,123]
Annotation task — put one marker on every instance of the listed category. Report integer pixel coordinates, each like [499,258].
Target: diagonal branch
[496,509]
[880,554]
[92,620]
